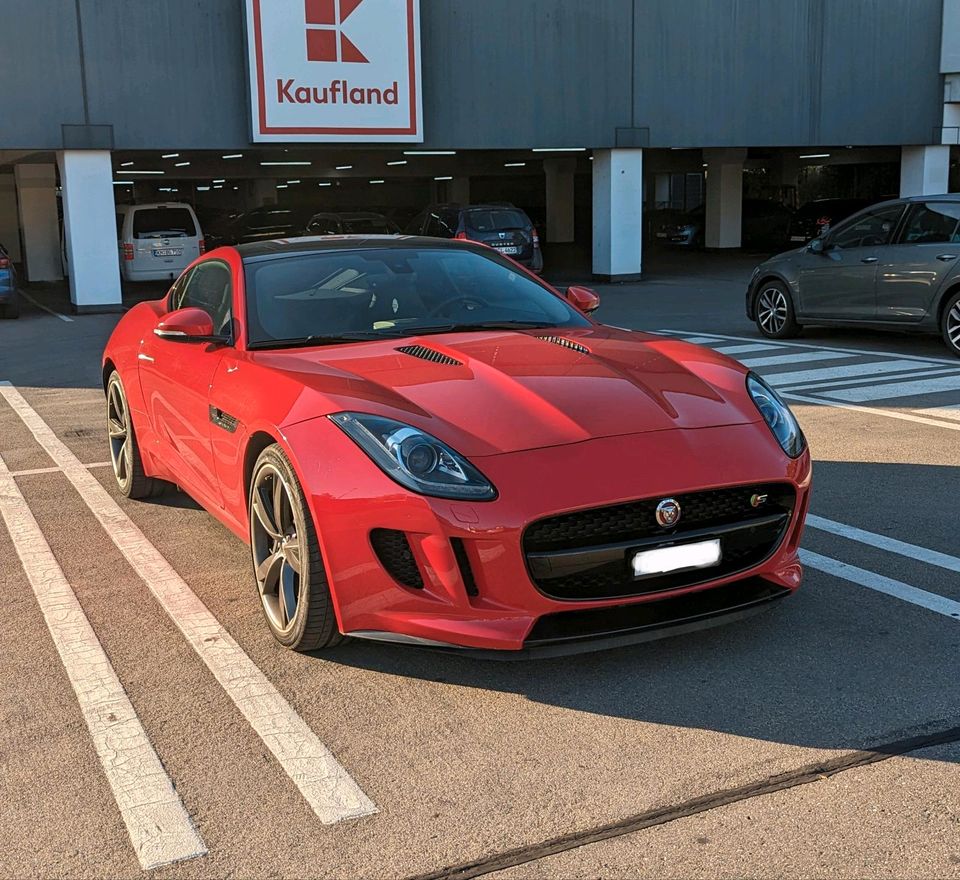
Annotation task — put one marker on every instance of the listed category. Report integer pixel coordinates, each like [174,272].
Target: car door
[176,376]
[840,282]
[914,267]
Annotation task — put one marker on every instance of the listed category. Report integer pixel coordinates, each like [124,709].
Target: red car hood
[510,391]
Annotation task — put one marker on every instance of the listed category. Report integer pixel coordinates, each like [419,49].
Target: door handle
[947,258]
[869,259]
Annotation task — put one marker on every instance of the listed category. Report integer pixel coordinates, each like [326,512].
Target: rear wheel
[287,564]
[774,312]
[11,309]
[950,324]
[124,451]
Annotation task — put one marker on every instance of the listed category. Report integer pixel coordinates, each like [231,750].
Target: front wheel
[774,312]
[287,564]
[950,324]
[124,451]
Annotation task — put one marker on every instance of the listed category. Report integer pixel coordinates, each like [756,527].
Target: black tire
[773,311]
[950,324]
[276,539]
[11,309]
[124,450]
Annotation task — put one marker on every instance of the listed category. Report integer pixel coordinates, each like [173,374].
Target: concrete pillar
[458,190]
[560,198]
[90,229]
[618,214]
[924,171]
[724,197]
[264,192]
[37,201]
[9,221]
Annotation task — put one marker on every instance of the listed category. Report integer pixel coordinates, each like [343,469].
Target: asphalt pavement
[817,740]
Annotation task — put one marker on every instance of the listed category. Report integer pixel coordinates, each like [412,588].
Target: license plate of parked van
[168,252]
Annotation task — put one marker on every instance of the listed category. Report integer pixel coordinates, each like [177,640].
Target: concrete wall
[505,74]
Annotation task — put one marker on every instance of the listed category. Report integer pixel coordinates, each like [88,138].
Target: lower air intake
[393,551]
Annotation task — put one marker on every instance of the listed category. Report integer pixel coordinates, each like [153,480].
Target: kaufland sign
[335,70]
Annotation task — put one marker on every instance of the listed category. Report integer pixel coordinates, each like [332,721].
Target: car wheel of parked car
[11,309]
[774,311]
[950,324]
[288,567]
[124,451]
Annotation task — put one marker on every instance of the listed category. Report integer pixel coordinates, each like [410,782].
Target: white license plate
[507,249]
[683,557]
[168,252]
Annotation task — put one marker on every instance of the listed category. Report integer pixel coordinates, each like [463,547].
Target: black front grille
[588,554]
[429,354]
[393,551]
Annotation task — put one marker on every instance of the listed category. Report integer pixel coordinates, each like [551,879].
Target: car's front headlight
[415,459]
[777,415]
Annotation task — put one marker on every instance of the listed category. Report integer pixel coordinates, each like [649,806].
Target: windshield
[393,292]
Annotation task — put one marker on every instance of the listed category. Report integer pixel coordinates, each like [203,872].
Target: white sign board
[335,70]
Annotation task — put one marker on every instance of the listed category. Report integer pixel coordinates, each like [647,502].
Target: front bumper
[477,590]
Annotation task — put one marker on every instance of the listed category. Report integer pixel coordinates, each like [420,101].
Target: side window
[869,229]
[208,287]
[933,223]
[176,295]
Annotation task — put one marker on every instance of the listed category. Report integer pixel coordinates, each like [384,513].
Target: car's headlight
[777,415]
[415,459]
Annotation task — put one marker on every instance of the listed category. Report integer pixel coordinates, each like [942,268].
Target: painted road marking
[828,385]
[900,389]
[329,789]
[697,340]
[42,307]
[882,584]
[950,362]
[873,411]
[836,374]
[55,470]
[743,349]
[803,358]
[950,411]
[883,542]
[160,829]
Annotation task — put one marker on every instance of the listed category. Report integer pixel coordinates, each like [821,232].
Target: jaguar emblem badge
[668,513]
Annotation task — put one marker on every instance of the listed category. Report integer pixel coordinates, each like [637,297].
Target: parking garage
[569,119]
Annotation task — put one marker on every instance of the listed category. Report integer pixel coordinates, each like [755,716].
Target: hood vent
[429,354]
[563,342]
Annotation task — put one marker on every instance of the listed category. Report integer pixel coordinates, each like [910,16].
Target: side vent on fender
[429,354]
[563,342]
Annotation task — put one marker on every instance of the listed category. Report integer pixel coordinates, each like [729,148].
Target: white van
[158,241]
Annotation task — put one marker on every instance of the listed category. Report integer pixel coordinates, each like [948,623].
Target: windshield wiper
[317,339]
[480,325]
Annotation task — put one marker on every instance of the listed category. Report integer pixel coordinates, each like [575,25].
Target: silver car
[894,265]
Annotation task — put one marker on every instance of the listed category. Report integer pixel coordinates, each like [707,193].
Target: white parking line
[950,411]
[698,340]
[882,542]
[743,349]
[56,470]
[803,358]
[873,411]
[803,377]
[43,308]
[329,789]
[899,389]
[882,584]
[160,829]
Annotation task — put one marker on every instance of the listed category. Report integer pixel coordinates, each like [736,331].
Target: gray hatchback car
[894,265]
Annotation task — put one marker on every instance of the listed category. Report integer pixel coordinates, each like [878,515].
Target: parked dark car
[262,224]
[893,265]
[9,289]
[357,223]
[764,224]
[815,218]
[505,228]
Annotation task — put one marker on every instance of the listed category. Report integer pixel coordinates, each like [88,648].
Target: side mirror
[187,325]
[816,246]
[583,298]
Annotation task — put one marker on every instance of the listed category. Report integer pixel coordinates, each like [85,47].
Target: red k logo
[326,40]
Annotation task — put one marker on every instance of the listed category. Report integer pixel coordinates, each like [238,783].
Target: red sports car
[422,442]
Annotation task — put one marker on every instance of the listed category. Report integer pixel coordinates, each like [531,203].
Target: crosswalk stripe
[698,340]
[160,829]
[899,389]
[804,358]
[802,377]
[869,410]
[882,584]
[744,349]
[882,542]
[329,789]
